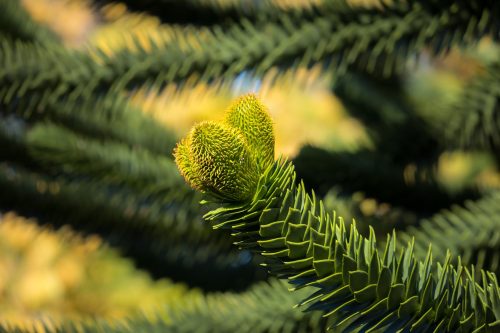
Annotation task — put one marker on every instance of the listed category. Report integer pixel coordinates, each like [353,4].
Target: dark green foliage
[369,38]
[61,150]
[167,237]
[145,209]
[220,313]
[321,169]
[52,83]
[380,216]
[384,108]
[473,120]
[372,38]
[212,12]
[45,72]
[471,232]
[111,118]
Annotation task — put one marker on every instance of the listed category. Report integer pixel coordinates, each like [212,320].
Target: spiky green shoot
[215,159]
[226,158]
[358,286]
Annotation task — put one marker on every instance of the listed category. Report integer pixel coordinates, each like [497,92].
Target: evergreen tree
[369,239]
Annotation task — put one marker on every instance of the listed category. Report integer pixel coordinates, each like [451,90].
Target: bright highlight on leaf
[226,158]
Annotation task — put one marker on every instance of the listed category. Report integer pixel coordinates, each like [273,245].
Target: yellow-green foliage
[57,276]
[226,158]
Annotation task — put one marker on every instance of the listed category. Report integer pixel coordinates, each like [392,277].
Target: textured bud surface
[250,116]
[215,158]
[183,161]
[227,158]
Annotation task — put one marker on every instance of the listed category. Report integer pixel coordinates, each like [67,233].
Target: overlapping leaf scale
[366,288]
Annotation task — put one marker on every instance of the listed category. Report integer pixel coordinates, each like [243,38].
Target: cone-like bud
[250,116]
[215,158]
[185,165]
[227,158]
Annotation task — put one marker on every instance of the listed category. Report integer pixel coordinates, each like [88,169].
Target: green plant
[420,81]
[365,287]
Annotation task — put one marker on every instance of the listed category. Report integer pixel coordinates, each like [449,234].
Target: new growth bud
[226,158]
[250,116]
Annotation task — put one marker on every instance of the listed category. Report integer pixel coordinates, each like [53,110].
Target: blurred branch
[16,23]
[471,231]
[412,186]
[472,119]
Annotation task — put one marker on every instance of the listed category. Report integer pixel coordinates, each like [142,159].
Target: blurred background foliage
[88,151]
[60,276]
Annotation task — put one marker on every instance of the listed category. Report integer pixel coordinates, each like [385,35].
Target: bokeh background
[100,232]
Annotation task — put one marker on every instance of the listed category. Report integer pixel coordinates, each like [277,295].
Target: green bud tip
[226,158]
[251,117]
